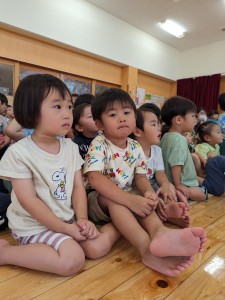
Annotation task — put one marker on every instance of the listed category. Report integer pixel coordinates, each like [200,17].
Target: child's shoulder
[133,143]
[172,136]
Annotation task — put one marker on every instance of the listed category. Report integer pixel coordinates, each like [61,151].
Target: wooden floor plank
[98,281]
[145,284]
[208,282]
[121,275]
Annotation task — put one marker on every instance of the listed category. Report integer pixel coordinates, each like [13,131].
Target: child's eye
[57,106]
[127,112]
[70,107]
[112,115]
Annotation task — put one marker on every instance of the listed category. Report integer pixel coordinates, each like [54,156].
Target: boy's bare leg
[101,245]
[173,242]
[67,261]
[196,194]
[128,226]
[177,214]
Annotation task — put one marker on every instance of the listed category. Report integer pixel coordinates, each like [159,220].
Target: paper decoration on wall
[158,100]
[140,96]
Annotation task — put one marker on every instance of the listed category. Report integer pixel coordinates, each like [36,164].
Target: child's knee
[98,249]
[72,265]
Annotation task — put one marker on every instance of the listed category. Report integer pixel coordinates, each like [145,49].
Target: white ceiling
[202,19]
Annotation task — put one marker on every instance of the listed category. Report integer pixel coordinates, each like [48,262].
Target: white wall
[202,61]
[82,25]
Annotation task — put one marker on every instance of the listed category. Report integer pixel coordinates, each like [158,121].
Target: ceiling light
[172,28]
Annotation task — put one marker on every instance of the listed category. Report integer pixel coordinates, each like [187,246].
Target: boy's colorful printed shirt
[119,165]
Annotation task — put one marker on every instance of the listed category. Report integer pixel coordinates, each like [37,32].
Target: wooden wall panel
[156,86]
[34,51]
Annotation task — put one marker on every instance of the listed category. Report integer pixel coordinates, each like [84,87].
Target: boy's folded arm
[161,178]
[107,188]
[176,174]
[142,183]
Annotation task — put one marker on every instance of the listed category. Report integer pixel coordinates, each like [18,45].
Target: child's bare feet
[182,198]
[171,266]
[177,214]
[178,242]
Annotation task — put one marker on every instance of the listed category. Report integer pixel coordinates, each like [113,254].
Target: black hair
[155,109]
[84,98]
[201,108]
[176,106]
[30,94]
[221,101]
[140,115]
[213,112]
[106,99]
[77,112]
[3,99]
[205,129]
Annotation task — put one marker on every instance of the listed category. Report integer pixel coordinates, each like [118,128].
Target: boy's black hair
[30,94]
[84,98]
[107,98]
[140,115]
[153,107]
[221,101]
[205,129]
[77,112]
[3,99]
[176,106]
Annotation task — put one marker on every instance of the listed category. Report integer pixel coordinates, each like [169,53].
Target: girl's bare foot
[171,266]
[178,242]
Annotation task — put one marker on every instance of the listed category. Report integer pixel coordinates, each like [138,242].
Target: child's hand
[142,206]
[87,228]
[160,210]
[152,196]
[74,231]
[166,193]
[183,189]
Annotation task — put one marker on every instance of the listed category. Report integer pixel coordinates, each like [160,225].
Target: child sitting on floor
[148,134]
[114,162]
[209,137]
[84,126]
[180,115]
[48,213]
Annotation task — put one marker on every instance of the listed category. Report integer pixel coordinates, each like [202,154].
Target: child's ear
[177,119]
[137,132]
[207,138]
[99,125]
[79,128]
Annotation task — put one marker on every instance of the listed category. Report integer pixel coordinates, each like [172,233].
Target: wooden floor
[121,275]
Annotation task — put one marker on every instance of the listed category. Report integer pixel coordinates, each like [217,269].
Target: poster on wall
[140,98]
[157,100]
[77,87]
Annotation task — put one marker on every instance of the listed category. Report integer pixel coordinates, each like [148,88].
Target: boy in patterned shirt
[116,163]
